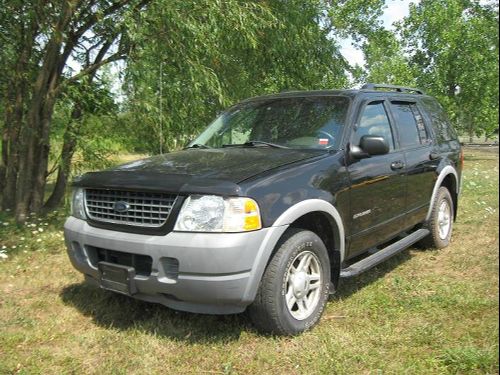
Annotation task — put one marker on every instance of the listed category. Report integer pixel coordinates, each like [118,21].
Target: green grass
[422,312]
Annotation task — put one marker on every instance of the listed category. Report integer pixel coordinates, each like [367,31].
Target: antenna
[161,107]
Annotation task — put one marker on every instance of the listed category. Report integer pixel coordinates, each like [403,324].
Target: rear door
[421,162]
[378,186]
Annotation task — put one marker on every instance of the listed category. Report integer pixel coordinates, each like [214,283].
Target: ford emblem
[121,207]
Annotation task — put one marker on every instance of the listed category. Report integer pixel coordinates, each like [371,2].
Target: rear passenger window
[374,121]
[411,126]
[440,121]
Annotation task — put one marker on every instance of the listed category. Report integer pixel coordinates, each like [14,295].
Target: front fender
[278,229]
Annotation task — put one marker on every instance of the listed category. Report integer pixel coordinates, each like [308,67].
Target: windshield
[299,122]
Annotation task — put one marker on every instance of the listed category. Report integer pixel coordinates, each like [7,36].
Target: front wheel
[295,286]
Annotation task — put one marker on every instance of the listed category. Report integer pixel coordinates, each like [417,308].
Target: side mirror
[370,145]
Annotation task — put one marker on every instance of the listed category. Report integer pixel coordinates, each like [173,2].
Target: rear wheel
[295,286]
[441,221]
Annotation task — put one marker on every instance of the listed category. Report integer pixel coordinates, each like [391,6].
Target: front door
[378,183]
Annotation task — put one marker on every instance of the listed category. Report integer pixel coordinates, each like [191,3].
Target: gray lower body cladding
[213,273]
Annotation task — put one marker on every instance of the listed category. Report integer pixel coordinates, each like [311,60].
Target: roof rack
[402,89]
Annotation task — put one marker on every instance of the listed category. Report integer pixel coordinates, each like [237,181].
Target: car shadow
[112,310]
[351,285]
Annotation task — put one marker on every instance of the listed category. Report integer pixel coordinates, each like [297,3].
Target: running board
[381,255]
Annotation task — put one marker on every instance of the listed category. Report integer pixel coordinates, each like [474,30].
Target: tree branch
[92,68]
[92,19]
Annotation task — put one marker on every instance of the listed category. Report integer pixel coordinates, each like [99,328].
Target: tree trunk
[31,141]
[14,114]
[471,131]
[42,157]
[64,169]
[70,141]
[11,151]
[26,143]
[35,138]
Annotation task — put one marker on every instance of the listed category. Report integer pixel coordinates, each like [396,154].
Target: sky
[395,11]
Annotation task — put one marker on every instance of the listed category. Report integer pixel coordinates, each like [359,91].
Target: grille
[129,207]
[141,263]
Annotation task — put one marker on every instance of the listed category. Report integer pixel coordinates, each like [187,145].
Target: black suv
[275,202]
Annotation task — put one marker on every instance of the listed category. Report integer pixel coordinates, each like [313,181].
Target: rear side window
[374,121]
[440,122]
[412,130]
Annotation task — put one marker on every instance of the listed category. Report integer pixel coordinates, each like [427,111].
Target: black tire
[269,312]
[435,239]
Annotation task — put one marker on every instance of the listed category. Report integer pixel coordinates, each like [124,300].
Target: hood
[215,171]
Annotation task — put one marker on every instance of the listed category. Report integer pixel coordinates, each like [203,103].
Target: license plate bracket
[117,278]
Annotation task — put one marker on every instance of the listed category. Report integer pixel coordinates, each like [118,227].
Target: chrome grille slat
[145,209]
[152,212]
[169,203]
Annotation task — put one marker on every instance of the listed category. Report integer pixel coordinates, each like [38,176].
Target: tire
[440,223]
[270,312]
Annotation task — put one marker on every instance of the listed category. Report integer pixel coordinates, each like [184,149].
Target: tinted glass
[300,122]
[407,124]
[423,134]
[374,121]
[440,122]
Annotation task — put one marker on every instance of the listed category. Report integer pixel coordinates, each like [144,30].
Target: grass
[422,312]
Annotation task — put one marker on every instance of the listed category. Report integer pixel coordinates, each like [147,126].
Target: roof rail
[374,86]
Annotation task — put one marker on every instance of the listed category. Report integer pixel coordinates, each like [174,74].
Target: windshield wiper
[198,145]
[255,144]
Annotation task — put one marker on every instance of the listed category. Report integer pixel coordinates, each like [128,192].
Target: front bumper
[218,273]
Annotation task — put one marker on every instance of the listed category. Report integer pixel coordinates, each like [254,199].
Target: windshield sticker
[323,141]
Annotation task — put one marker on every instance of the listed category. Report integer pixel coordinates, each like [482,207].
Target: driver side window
[374,121]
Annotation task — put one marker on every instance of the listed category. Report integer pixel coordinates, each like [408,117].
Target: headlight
[77,204]
[210,213]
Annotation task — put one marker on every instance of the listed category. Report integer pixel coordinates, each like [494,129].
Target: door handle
[397,165]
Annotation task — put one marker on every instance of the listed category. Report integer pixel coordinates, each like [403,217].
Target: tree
[209,59]
[209,53]
[453,46]
[40,38]
[385,61]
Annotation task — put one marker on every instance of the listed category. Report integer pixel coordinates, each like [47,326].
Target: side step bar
[381,255]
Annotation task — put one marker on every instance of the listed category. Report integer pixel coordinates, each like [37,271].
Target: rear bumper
[218,273]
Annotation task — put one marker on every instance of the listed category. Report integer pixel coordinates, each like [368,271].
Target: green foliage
[453,48]
[357,19]
[187,60]
[192,40]
[450,49]
[385,61]
[206,55]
